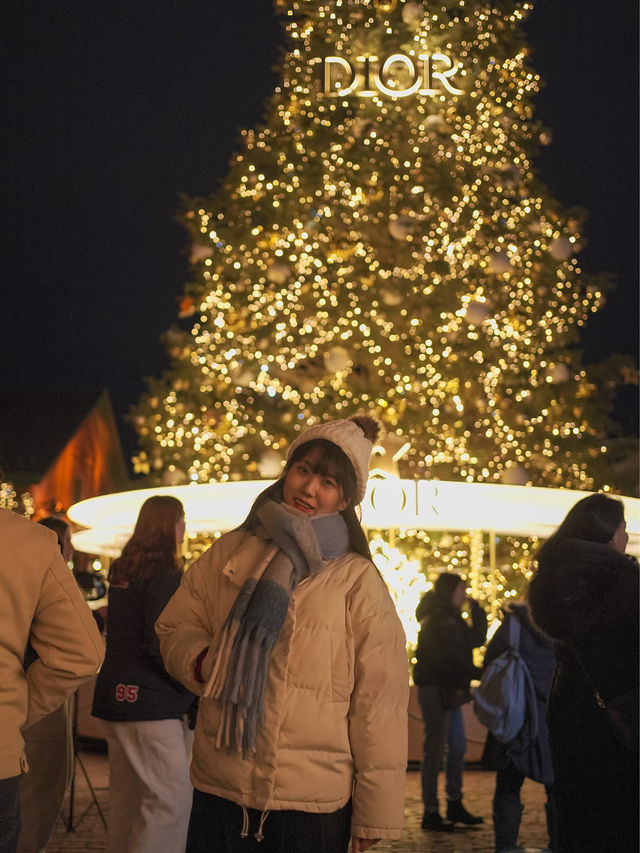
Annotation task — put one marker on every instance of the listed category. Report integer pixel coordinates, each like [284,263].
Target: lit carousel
[479,512]
[483,512]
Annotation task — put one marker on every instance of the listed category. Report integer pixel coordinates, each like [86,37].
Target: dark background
[111,110]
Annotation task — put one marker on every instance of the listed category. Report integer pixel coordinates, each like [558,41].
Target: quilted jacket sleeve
[378,711]
[184,627]
[66,639]
[192,617]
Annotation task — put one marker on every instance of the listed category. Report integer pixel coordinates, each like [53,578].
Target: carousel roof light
[390,503]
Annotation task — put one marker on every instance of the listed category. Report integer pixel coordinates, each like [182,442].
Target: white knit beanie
[355,436]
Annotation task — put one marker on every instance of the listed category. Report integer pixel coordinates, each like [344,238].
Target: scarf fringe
[239,676]
[241,691]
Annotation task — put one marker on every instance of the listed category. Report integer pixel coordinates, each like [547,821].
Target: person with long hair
[584,597]
[443,672]
[144,710]
[62,531]
[288,633]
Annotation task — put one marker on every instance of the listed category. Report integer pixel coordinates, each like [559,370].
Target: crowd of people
[258,702]
[579,640]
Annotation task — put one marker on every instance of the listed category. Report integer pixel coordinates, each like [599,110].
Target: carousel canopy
[390,503]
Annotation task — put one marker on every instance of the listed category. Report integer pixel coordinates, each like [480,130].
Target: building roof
[36,425]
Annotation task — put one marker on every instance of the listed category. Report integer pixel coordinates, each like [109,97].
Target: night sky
[112,110]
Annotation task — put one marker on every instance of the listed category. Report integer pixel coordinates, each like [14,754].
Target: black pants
[9,814]
[217,825]
[507,808]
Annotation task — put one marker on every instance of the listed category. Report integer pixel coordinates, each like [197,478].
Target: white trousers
[150,792]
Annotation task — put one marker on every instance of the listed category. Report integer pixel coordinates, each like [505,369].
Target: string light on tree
[380,243]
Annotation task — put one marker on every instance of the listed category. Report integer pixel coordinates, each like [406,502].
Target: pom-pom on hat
[355,436]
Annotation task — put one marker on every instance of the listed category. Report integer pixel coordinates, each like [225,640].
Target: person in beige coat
[48,747]
[40,603]
[290,637]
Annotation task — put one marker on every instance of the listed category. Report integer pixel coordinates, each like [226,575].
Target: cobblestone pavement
[89,833]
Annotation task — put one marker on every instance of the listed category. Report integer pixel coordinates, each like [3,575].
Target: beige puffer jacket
[336,697]
[39,601]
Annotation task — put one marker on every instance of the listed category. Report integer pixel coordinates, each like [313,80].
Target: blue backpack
[506,692]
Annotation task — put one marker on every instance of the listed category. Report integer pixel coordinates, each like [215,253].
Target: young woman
[444,662]
[143,708]
[584,596]
[289,634]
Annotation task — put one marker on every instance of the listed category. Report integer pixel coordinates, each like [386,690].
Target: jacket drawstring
[244,832]
[259,836]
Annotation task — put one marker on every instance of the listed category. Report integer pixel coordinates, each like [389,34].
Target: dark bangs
[332,462]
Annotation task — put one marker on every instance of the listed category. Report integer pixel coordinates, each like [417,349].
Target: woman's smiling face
[311,491]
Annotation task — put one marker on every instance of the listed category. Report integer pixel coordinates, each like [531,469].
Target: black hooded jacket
[444,657]
[585,597]
[133,684]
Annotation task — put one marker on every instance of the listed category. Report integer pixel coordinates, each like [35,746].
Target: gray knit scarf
[299,547]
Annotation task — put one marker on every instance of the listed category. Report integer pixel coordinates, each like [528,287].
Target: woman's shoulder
[583,556]
[229,555]
[441,625]
[360,574]
[358,568]
[435,611]
[579,584]
[165,578]
[224,547]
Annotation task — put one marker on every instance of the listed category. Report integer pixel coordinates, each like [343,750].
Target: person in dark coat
[522,757]
[145,711]
[584,596]
[444,661]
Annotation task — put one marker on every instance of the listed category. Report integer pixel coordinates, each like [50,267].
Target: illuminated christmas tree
[382,244]
[20,502]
